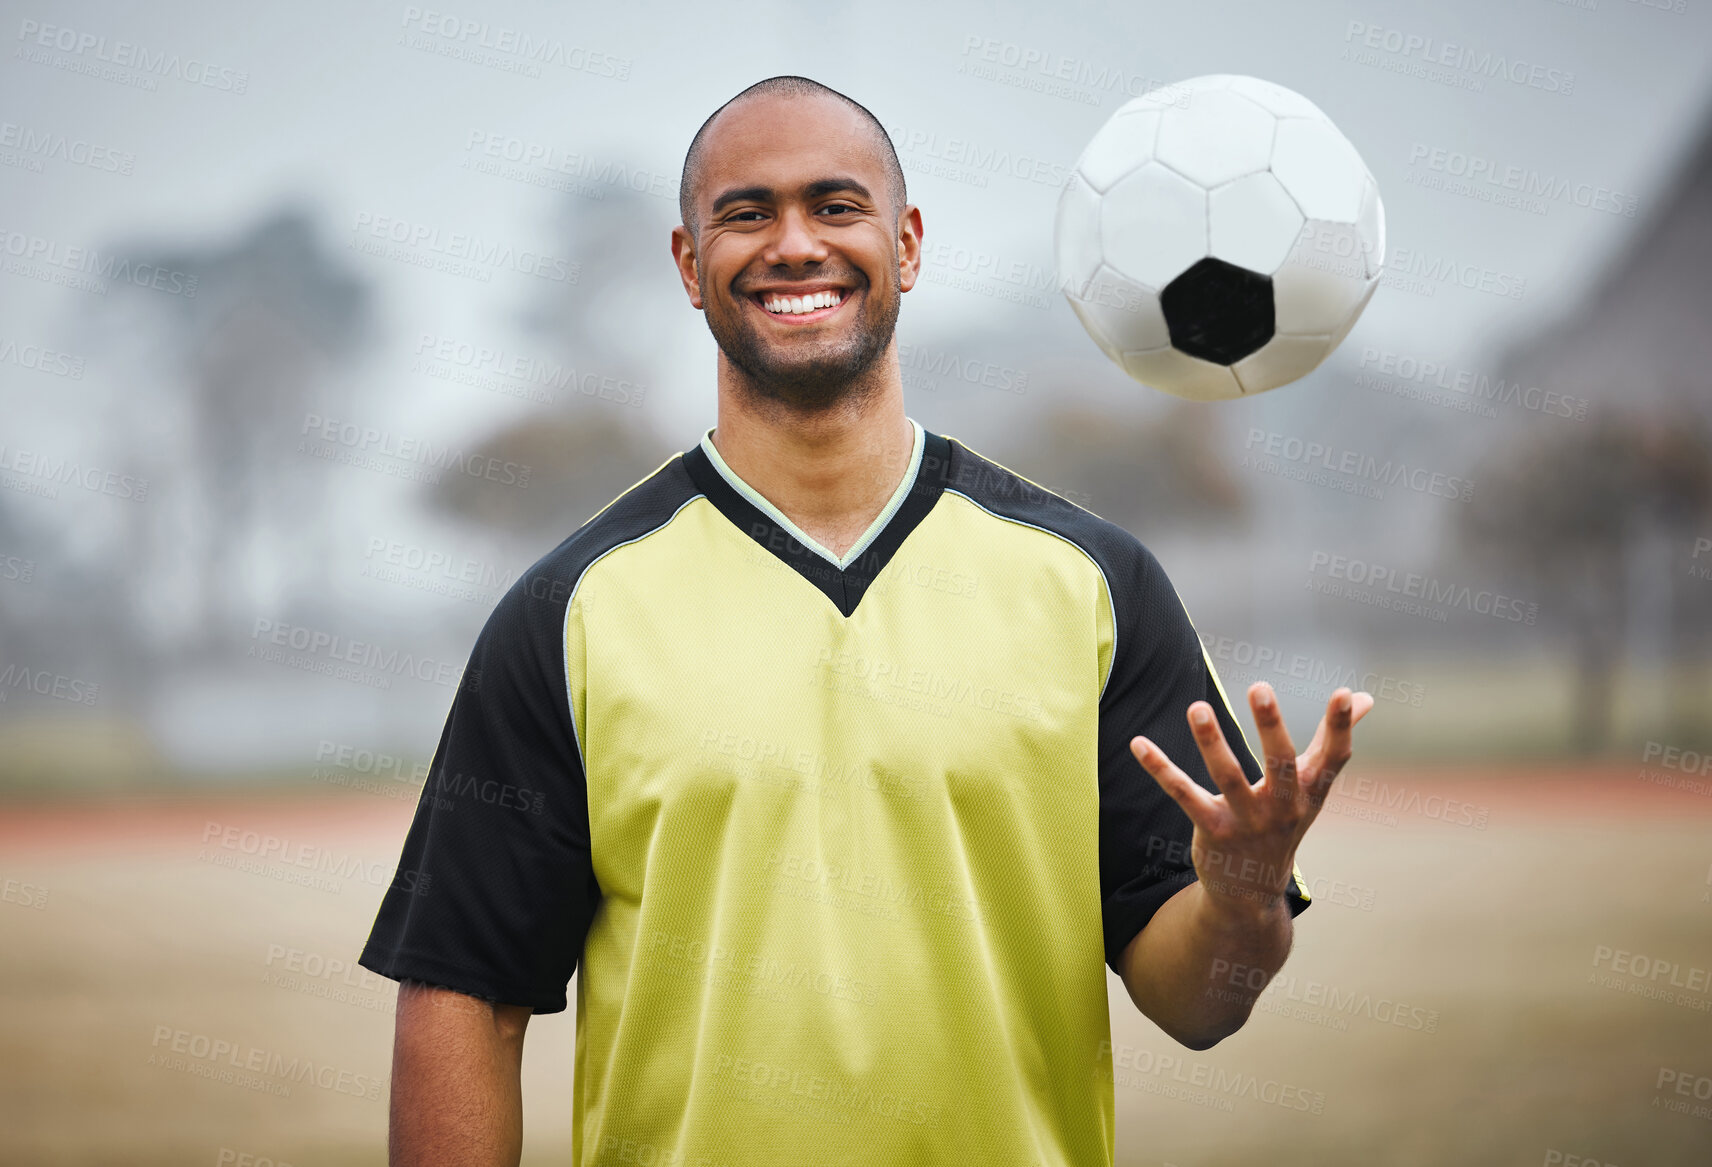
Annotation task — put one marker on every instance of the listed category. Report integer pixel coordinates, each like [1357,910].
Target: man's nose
[796,240]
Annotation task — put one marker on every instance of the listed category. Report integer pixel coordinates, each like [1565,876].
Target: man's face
[793,202]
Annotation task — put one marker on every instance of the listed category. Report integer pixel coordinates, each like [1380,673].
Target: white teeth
[794,305]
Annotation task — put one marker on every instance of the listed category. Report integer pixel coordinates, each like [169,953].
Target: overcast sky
[344,108]
[369,111]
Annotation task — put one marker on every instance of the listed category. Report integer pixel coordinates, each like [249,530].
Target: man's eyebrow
[814,190]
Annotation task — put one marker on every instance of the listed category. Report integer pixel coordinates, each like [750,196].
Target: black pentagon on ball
[1218,311]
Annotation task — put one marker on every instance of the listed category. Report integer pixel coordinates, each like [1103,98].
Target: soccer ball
[1219,237]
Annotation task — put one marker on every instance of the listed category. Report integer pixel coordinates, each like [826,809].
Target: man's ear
[909,246]
[684,255]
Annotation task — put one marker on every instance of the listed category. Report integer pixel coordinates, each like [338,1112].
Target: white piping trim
[1111,604]
[565,629]
[778,516]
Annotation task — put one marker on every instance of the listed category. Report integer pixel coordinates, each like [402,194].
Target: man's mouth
[801,308]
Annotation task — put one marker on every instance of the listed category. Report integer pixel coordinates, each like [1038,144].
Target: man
[831,743]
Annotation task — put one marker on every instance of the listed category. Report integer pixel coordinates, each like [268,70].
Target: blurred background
[319,324]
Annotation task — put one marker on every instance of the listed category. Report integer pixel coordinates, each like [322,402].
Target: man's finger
[1227,773]
[1362,705]
[1184,790]
[1274,740]
[1335,750]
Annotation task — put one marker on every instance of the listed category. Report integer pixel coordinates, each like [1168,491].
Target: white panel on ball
[1280,361]
[1372,224]
[1276,99]
[1121,313]
[1220,136]
[1322,282]
[1320,169]
[1122,144]
[1076,234]
[1153,224]
[1252,223]
[1092,325]
[1181,374]
[1355,313]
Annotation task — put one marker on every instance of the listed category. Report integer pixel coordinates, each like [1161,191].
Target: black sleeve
[1158,670]
[495,889]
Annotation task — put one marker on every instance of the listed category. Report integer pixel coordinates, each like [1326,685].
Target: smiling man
[842,761]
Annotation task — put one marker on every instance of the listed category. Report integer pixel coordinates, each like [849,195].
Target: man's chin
[804,389]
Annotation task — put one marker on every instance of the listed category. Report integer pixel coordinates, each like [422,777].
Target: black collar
[845,587]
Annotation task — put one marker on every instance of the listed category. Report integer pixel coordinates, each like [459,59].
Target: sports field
[1487,979]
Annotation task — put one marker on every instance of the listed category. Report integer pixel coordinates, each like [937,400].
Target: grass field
[1456,996]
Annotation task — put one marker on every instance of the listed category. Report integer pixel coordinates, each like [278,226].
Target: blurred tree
[1562,507]
[245,358]
[607,323]
[580,458]
[626,301]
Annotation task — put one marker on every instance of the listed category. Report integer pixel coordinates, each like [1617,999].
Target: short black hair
[791,86]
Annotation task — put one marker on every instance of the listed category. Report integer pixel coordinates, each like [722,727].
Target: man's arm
[1198,966]
[457,1094]
[1192,969]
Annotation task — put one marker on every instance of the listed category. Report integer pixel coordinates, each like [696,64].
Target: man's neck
[830,473]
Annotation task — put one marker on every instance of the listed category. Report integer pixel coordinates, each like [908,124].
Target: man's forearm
[1199,965]
[457,1096]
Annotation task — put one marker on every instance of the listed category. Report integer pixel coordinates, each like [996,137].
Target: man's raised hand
[1244,847]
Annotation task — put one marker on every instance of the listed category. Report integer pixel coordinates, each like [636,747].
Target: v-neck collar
[778,516]
[844,579]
